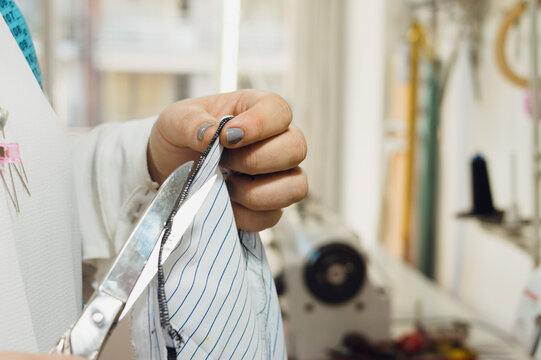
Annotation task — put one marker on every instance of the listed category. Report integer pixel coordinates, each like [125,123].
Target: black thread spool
[481,192]
[483,206]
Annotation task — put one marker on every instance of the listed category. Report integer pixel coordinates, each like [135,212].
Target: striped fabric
[220,291]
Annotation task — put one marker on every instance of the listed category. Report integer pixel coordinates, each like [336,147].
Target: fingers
[262,116]
[258,116]
[177,137]
[268,192]
[282,152]
[257,200]
[259,137]
[255,221]
[185,124]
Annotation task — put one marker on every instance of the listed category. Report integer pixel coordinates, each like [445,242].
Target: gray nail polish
[202,129]
[234,135]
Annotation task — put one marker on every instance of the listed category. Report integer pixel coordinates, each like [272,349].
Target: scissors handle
[87,336]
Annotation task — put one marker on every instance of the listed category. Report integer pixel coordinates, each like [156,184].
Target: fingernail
[225,157]
[234,135]
[202,129]
[229,186]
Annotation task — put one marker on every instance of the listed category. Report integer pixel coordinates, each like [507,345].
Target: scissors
[135,266]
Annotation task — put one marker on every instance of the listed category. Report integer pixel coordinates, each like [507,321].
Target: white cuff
[112,184]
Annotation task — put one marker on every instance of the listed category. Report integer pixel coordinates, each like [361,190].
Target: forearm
[112,183]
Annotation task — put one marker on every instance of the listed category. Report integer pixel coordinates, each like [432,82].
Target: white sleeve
[112,184]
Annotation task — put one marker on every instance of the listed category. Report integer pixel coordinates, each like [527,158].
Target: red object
[412,343]
[531,295]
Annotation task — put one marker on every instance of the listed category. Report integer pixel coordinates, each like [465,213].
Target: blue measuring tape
[17,25]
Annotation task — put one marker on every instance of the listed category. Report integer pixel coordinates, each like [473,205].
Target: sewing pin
[3,156]
[8,191]
[22,180]
[24,173]
[14,189]
[4,114]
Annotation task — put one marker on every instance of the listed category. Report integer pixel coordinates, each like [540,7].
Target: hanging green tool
[429,174]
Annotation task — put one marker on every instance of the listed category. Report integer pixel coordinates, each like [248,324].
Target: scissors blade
[133,256]
[181,221]
[87,335]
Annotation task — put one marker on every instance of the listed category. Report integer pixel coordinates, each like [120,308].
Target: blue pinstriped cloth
[17,25]
[220,290]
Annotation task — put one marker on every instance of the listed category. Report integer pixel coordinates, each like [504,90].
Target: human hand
[262,149]
[21,356]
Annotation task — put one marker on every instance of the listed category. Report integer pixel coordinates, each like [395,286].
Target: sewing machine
[330,288]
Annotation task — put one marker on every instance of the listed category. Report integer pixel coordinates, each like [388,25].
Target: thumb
[187,126]
[180,134]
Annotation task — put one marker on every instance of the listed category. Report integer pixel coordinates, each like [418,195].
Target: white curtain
[318,93]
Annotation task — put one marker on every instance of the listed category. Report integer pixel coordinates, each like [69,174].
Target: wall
[364,69]
[481,267]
